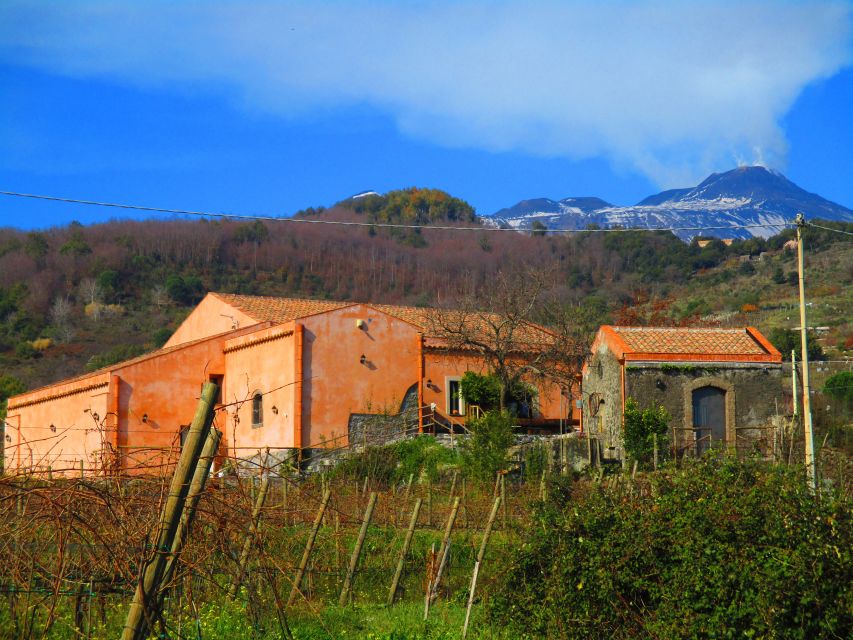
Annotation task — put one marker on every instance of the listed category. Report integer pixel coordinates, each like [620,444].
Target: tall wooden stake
[445,547]
[197,485]
[480,556]
[356,552]
[142,610]
[404,551]
[309,546]
[811,468]
[503,498]
[247,544]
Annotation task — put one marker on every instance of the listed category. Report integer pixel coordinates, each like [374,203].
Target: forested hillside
[80,297]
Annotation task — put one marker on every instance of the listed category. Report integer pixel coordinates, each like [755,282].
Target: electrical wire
[386,225]
[817,226]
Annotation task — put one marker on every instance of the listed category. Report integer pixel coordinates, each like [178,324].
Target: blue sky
[259,107]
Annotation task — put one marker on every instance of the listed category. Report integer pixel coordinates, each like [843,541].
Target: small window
[455,402]
[257,410]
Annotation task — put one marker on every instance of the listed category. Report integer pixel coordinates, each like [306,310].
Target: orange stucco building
[294,375]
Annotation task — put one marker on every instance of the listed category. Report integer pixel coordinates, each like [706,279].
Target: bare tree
[91,291]
[159,296]
[60,318]
[498,322]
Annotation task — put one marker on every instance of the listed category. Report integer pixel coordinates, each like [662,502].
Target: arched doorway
[709,417]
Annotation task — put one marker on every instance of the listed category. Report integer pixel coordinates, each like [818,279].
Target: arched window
[257,409]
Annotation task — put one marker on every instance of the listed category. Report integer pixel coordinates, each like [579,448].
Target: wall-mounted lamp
[145,418]
[660,384]
[360,324]
[8,438]
[429,382]
[275,409]
[96,417]
[362,359]
[53,428]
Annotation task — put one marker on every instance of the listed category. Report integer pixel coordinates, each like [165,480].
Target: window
[455,402]
[257,409]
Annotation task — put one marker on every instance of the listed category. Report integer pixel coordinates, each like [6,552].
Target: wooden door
[709,418]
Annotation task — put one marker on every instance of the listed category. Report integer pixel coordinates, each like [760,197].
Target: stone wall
[754,395]
[602,402]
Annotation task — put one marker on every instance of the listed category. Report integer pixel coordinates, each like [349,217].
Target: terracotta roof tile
[263,308]
[665,340]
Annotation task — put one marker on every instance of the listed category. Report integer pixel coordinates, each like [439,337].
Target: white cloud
[671,89]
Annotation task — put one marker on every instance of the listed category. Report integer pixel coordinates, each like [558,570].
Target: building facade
[721,387]
[295,375]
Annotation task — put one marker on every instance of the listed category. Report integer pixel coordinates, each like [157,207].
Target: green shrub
[721,549]
[486,451]
[161,336]
[839,387]
[394,463]
[535,461]
[641,427]
[484,391]
[117,354]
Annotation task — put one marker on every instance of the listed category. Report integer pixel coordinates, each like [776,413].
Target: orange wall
[166,388]
[336,384]
[261,361]
[440,364]
[77,435]
[211,317]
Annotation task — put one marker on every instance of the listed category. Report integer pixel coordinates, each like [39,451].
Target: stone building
[721,387]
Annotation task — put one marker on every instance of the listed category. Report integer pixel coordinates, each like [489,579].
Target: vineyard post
[445,548]
[503,498]
[429,501]
[404,551]
[480,556]
[309,546]
[356,552]
[253,531]
[199,480]
[465,500]
[142,609]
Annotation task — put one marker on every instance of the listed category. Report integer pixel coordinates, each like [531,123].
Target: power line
[388,225]
[846,233]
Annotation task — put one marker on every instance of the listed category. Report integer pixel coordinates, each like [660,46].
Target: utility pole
[811,468]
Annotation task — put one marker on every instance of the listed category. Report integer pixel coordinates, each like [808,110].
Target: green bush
[484,391]
[161,336]
[115,355]
[641,427]
[721,549]
[839,387]
[486,451]
[394,463]
[787,340]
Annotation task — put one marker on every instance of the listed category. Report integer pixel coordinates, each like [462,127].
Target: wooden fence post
[445,548]
[404,551]
[197,485]
[356,552]
[309,546]
[503,498]
[143,608]
[253,531]
[480,556]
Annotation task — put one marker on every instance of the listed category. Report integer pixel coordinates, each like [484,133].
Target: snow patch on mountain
[745,197]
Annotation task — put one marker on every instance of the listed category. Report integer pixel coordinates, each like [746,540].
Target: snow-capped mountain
[742,196]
